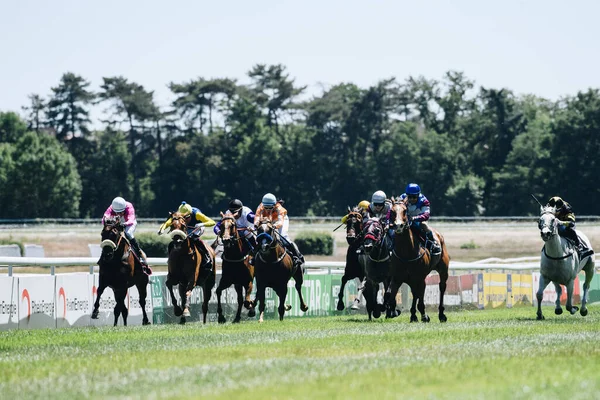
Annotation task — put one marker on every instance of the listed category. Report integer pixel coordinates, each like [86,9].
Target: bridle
[234,237]
[273,241]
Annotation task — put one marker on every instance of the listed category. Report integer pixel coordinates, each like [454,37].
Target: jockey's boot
[435,247]
[297,257]
[141,256]
[206,259]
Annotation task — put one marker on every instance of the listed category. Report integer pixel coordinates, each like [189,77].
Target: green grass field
[477,354]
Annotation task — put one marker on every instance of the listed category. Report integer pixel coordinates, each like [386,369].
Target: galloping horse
[184,269]
[354,226]
[375,261]
[119,270]
[411,263]
[236,268]
[560,264]
[273,268]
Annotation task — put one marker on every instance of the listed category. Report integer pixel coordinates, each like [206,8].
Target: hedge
[320,243]
[153,245]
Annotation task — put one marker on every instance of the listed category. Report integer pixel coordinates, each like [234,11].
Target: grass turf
[478,354]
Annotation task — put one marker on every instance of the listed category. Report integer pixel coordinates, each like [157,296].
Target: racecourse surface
[503,353]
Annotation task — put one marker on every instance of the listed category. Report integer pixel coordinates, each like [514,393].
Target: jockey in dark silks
[564,213]
[244,222]
[419,210]
[380,208]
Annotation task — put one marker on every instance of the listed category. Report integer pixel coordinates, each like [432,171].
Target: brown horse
[354,226]
[236,268]
[273,268]
[375,260]
[119,270]
[411,263]
[184,269]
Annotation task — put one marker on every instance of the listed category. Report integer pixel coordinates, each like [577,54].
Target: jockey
[273,209]
[380,208]
[195,222]
[124,210]
[419,211]
[244,221]
[564,213]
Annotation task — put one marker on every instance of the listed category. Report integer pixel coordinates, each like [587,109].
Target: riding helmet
[413,188]
[118,204]
[235,205]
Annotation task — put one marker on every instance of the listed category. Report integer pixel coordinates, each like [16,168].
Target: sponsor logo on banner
[25,296]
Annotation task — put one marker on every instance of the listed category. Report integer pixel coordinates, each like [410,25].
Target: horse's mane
[548,210]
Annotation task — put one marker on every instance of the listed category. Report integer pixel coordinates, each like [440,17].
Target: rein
[236,238]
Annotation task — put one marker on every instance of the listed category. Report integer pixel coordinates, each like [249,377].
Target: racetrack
[502,353]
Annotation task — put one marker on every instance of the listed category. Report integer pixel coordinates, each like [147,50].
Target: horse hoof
[354,306]
[186,313]
[222,319]
[574,310]
[443,318]
[413,318]
[425,318]
[540,317]
[288,307]
[583,312]
[558,311]
[235,321]
[145,322]
[252,313]
[340,306]
[178,311]
[304,307]
[182,321]
[95,314]
[376,313]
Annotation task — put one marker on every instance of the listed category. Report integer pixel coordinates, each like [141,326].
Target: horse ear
[349,209]
[222,215]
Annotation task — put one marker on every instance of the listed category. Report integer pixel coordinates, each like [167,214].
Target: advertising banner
[9,318]
[550,292]
[36,305]
[73,300]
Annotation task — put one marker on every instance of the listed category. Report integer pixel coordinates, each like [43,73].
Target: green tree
[67,111]
[12,127]
[35,113]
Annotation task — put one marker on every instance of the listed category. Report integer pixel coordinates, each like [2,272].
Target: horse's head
[399,215]
[112,233]
[265,234]
[548,223]
[178,230]
[229,233]
[373,233]
[354,224]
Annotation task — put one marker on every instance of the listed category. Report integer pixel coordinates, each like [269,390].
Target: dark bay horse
[273,268]
[411,263]
[376,263]
[236,268]
[119,270]
[184,269]
[353,269]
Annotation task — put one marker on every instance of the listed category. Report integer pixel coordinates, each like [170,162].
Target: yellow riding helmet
[364,204]
[185,208]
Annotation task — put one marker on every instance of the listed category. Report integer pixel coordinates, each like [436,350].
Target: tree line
[474,150]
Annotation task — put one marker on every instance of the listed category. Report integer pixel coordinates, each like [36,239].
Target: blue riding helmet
[413,188]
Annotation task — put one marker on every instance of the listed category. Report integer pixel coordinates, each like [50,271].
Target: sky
[548,48]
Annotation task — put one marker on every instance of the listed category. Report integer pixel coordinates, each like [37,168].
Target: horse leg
[184,303]
[389,299]
[120,308]
[101,287]
[539,296]
[260,300]
[569,306]
[374,287]
[421,306]
[589,274]
[206,291]
[340,304]
[248,303]
[368,304]
[558,309]
[282,294]
[413,307]
[169,283]
[222,285]
[443,283]
[240,301]
[299,278]
[359,293]
[143,291]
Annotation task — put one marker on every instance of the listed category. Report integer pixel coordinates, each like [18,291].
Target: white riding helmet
[378,197]
[118,204]
[269,199]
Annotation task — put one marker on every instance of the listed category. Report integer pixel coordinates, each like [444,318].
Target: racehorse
[184,269]
[411,263]
[560,264]
[375,261]
[354,226]
[273,268]
[119,270]
[236,268]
